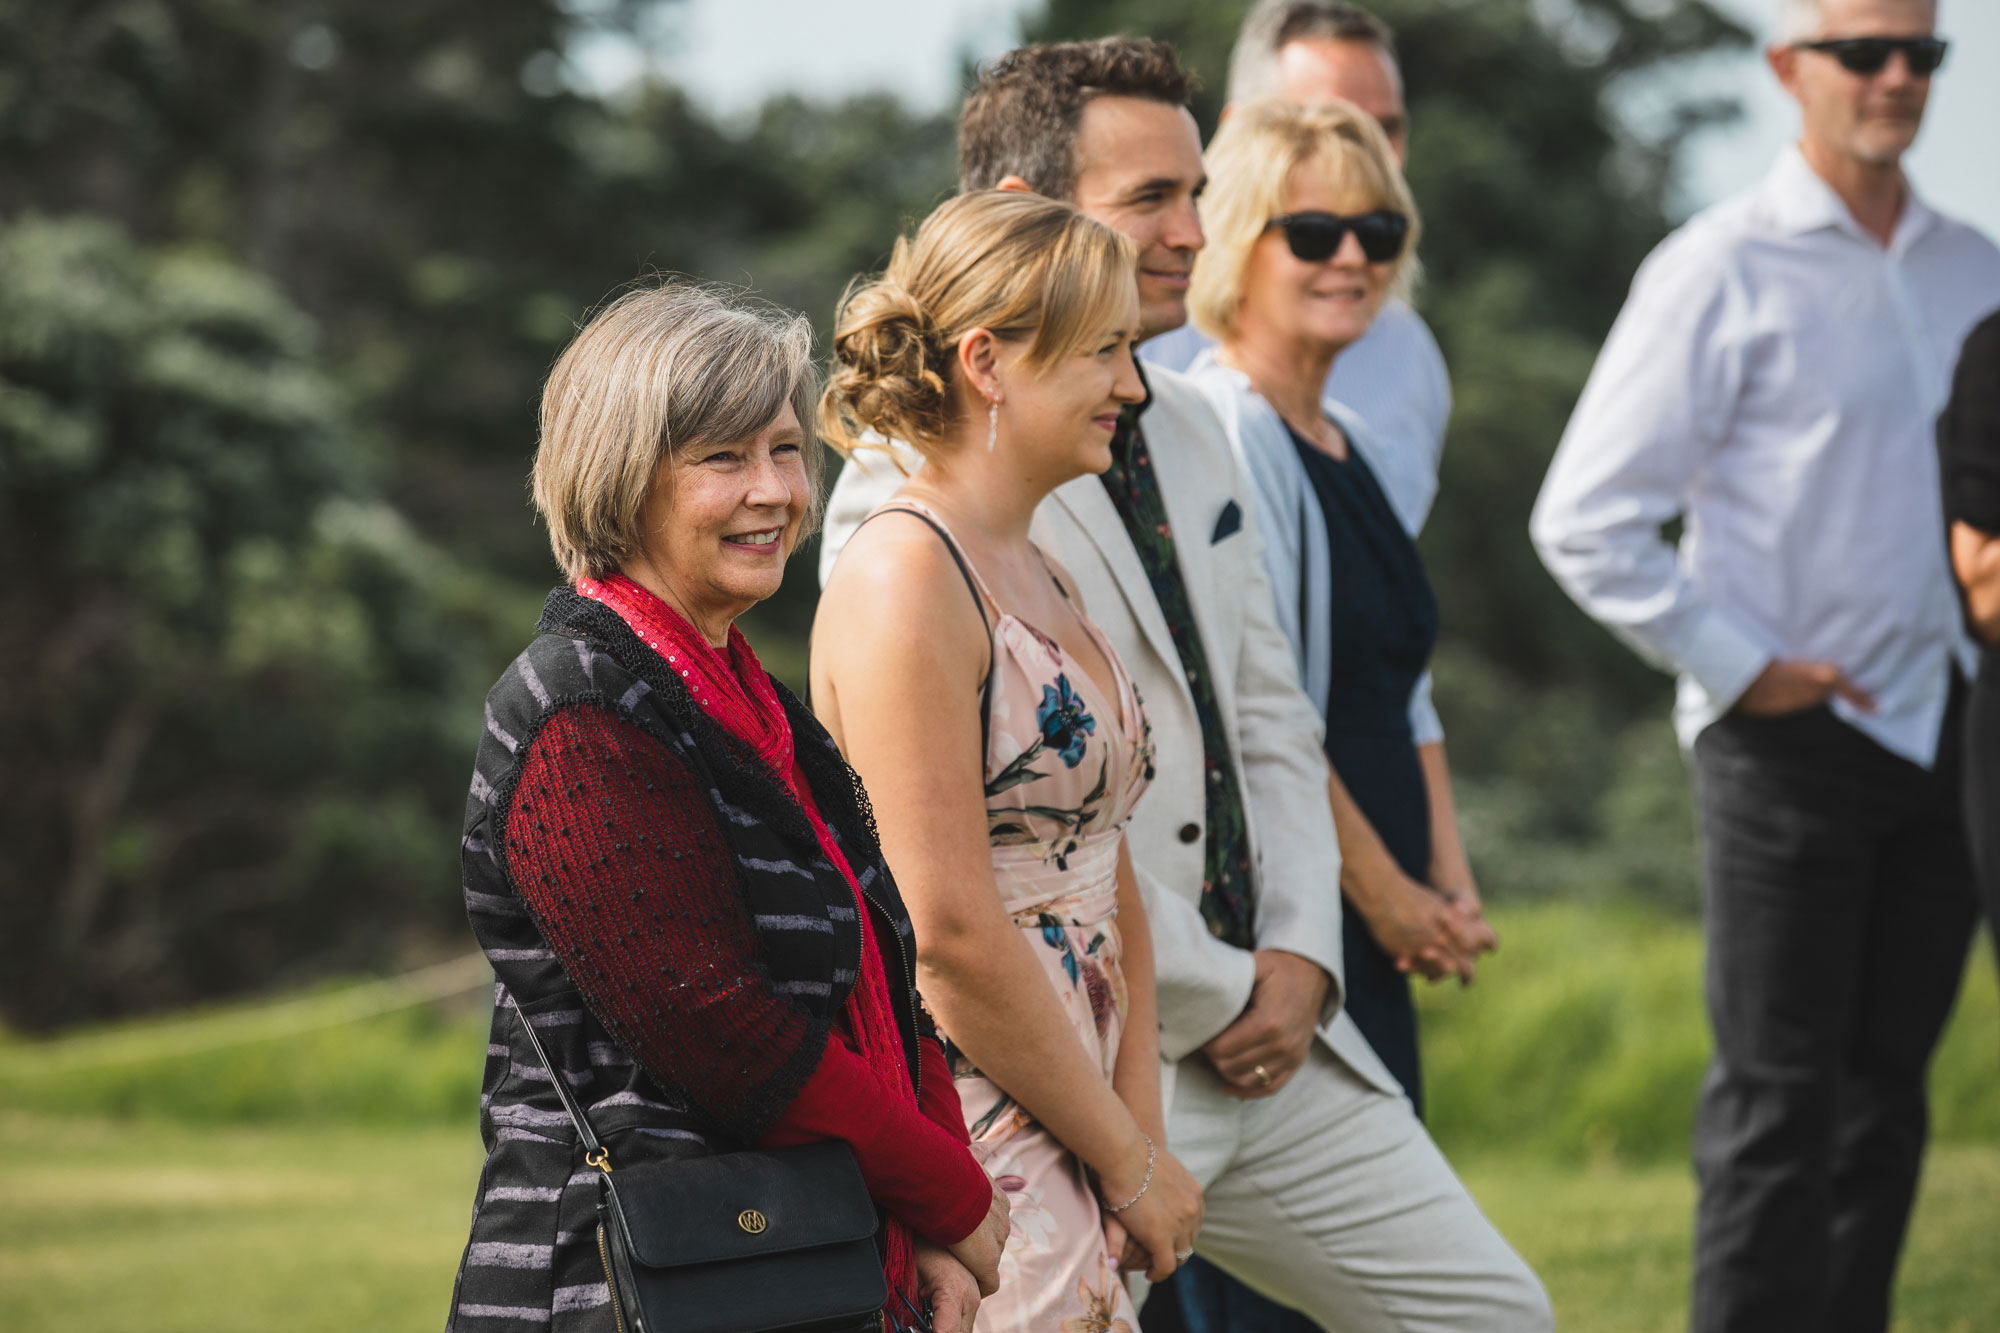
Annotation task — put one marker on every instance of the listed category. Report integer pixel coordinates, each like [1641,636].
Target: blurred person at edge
[1275,1102]
[1394,377]
[1773,381]
[642,800]
[1969,457]
[1310,228]
[1033,949]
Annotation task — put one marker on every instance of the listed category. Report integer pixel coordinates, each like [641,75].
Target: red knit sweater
[599,900]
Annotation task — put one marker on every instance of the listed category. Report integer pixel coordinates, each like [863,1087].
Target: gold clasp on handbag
[601,1159]
[751,1221]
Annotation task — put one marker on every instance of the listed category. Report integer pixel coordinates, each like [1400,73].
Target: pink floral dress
[1064,767]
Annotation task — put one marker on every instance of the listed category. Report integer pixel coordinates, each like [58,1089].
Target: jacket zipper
[909,990]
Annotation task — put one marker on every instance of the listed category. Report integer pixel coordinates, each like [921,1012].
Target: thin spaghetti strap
[974,585]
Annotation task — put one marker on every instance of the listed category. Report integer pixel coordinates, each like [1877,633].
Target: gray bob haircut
[662,369]
[1274,25]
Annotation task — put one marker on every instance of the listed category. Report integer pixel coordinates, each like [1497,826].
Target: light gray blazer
[1295,550]
[1274,731]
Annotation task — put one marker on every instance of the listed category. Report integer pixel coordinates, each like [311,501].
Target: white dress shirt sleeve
[1426,727]
[1658,404]
[866,482]
[1433,396]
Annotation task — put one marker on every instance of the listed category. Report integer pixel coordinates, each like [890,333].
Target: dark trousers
[1839,910]
[1201,1298]
[1982,784]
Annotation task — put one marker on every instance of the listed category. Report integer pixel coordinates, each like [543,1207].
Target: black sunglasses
[1869,55]
[1314,237]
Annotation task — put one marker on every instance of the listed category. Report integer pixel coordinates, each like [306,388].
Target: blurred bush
[421,1065]
[1583,1039]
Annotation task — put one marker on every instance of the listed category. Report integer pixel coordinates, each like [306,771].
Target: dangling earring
[992,424]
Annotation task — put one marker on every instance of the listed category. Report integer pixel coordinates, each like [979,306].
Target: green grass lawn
[140,1225]
[143,1225]
[1612,1242]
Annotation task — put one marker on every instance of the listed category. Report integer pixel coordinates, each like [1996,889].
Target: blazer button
[1190,833]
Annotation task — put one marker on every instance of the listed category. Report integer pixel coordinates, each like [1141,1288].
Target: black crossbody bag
[743,1242]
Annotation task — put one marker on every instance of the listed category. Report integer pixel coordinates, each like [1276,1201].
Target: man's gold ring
[1263,1076]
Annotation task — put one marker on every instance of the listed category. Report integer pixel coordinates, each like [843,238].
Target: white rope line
[238,1027]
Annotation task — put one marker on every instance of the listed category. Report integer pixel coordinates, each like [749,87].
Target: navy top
[1385,623]
[1384,612]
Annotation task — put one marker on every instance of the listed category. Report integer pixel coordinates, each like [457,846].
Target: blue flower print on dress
[1064,723]
[1057,938]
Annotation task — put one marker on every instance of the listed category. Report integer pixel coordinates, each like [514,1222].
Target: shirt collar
[1918,218]
[1800,202]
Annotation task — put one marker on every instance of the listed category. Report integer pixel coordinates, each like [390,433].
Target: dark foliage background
[279,280]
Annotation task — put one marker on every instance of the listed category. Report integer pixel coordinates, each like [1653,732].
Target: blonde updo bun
[1019,265]
[889,363]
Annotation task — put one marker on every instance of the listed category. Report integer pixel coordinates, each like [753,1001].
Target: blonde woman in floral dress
[1001,738]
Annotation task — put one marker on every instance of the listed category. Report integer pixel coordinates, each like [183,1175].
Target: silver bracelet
[1143,1186]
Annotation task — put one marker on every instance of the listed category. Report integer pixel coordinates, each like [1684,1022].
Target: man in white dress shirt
[1311,51]
[1772,382]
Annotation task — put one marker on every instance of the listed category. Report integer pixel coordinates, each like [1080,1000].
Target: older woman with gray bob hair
[672,869]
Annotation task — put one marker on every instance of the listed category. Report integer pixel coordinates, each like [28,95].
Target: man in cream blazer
[1323,1190]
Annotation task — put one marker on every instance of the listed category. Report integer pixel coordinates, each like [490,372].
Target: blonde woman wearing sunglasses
[1310,229]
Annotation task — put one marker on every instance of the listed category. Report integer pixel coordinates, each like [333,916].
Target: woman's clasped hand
[980,1252]
[952,1281]
[1155,1231]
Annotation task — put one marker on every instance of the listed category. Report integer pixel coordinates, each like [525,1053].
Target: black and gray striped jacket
[532,1258]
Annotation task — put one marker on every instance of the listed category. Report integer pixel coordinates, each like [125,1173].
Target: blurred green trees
[234,673]
[279,280]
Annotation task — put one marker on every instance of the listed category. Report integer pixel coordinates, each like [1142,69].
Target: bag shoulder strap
[592,1147]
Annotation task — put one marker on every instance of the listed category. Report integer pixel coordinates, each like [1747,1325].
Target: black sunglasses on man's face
[1870,55]
[1314,237]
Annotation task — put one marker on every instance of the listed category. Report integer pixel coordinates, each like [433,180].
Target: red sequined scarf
[736,692]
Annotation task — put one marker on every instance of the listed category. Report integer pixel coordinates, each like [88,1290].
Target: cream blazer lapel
[1097,521]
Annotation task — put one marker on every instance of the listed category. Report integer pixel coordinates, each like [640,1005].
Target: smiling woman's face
[1058,419]
[720,521]
[1330,302]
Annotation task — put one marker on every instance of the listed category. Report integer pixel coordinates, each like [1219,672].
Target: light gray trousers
[1330,1197]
